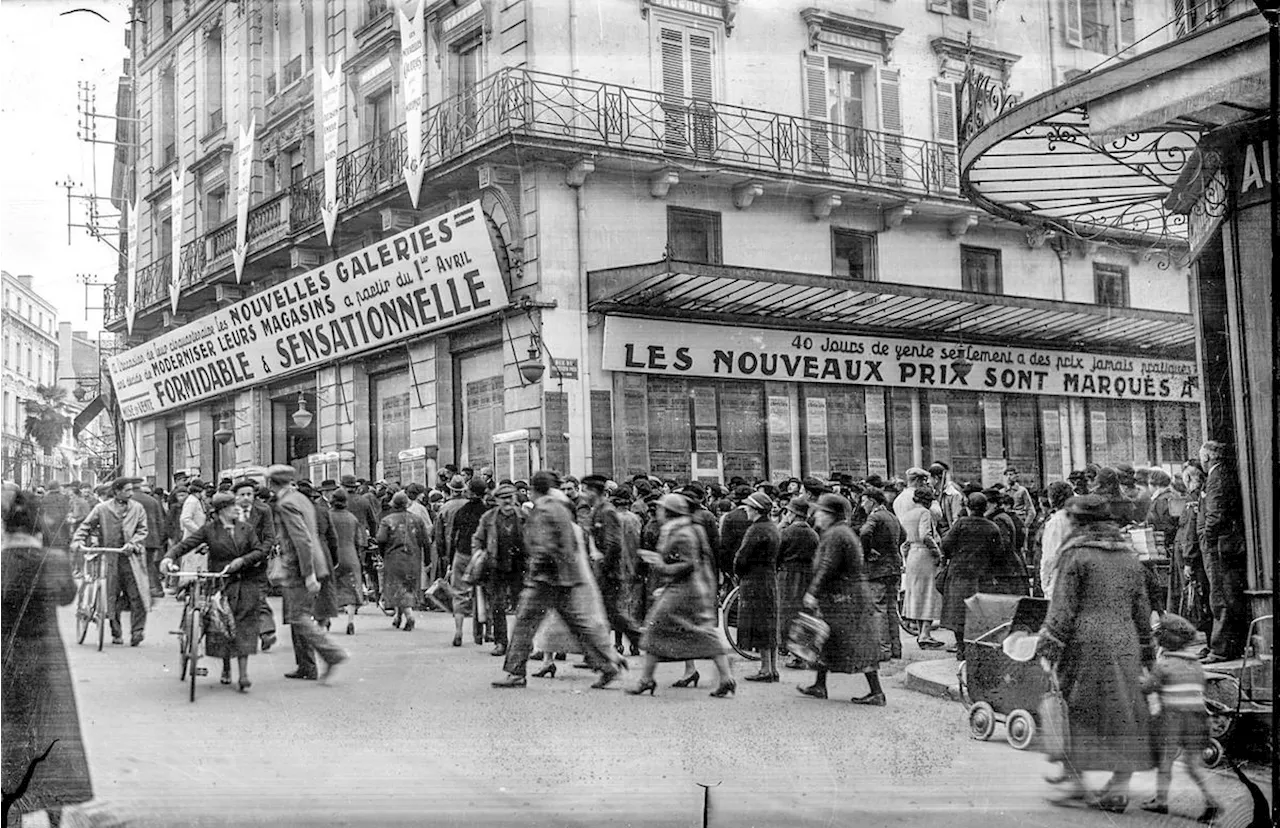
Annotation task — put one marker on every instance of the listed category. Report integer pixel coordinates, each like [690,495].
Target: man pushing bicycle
[121,522]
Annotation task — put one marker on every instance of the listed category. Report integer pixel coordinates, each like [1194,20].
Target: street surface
[411,733]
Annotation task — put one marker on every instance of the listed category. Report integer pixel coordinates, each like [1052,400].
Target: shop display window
[479,376]
[1022,438]
[901,402]
[389,406]
[964,431]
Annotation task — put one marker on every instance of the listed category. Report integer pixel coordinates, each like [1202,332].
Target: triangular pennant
[131,266]
[413,82]
[177,203]
[244,189]
[331,90]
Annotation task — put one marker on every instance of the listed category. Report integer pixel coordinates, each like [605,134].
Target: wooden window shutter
[944,167]
[1180,15]
[671,48]
[978,11]
[888,87]
[702,90]
[1071,22]
[813,91]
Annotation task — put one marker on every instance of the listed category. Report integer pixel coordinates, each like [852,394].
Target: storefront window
[293,443]
[1021,438]
[389,405]
[846,429]
[483,414]
[900,408]
[669,428]
[176,443]
[964,432]
[742,418]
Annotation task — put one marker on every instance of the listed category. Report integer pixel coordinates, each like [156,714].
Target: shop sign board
[430,277]
[657,346]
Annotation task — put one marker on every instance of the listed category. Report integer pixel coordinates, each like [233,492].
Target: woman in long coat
[347,590]
[977,560]
[682,622]
[839,591]
[921,601]
[235,549]
[795,567]
[756,565]
[403,539]
[39,697]
[1098,638]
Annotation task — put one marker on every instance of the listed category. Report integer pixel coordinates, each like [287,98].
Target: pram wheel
[1212,755]
[982,721]
[1020,729]
[962,681]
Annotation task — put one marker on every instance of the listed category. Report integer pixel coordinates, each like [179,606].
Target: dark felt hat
[1088,508]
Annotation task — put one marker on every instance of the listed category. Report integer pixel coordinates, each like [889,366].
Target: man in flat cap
[120,522]
[617,563]
[193,508]
[501,535]
[306,564]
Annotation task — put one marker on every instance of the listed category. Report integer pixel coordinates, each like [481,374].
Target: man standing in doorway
[1222,547]
[305,565]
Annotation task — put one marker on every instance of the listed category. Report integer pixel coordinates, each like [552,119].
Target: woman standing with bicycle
[236,551]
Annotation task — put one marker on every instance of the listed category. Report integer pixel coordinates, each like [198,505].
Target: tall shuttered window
[687,63]
[854,118]
[944,157]
[213,84]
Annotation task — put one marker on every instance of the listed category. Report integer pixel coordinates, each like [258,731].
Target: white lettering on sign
[691,349]
[432,276]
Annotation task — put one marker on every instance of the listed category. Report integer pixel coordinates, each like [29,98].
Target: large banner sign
[430,277]
[690,349]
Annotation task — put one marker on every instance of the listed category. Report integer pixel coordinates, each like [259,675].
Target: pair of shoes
[115,639]
[135,640]
[244,684]
[621,650]
[929,643]
[759,677]
[645,686]
[268,641]
[1112,803]
[1155,806]
[606,678]
[635,650]
[817,691]
[796,663]
[396,623]
[691,679]
[301,674]
[726,688]
[457,641]
[873,699]
[1209,814]
[499,650]
[330,666]
[511,681]
[1214,658]
[351,628]
[408,625]
[548,671]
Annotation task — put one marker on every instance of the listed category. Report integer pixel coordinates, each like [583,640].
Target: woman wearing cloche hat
[756,564]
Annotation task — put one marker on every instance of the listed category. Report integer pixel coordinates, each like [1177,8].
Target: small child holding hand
[1176,684]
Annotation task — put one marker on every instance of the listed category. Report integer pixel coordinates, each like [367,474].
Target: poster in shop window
[429,278]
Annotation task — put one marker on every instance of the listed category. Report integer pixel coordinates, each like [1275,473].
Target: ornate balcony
[518,106]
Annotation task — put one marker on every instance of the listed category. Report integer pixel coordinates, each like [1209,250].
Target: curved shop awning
[727,294]
[1097,157]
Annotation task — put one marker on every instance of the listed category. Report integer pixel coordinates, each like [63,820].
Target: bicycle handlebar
[99,549]
[199,573]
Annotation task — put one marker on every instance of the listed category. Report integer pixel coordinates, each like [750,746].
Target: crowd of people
[595,565]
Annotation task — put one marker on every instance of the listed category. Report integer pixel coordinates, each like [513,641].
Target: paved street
[411,733]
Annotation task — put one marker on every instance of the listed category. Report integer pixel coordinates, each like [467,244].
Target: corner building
[731,235]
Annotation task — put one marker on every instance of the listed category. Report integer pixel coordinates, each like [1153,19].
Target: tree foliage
[46,424]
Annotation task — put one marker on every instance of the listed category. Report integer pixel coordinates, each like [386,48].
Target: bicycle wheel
[382,598]
[729,622]
[182,645]
[193,655]
[100,610]
[83,608]
[909,626]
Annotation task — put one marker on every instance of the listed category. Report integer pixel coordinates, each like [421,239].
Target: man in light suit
[305,564]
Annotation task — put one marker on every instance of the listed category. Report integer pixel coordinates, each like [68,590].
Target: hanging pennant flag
[413,52]
[244,188]
[330,122]
[131,265]
[175,273]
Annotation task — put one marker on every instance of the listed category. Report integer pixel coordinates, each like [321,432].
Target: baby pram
[996,687]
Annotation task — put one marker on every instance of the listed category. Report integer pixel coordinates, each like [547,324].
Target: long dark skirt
[327,605]
[758,610]
[347,590]
[401,569]
[682,624]
[854,643]
[793,582]
[243,597]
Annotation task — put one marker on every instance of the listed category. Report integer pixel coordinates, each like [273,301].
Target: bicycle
[91,597]
[195,609]
[729,623]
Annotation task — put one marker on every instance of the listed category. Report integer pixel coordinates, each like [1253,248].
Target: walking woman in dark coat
[756,565]
[40,715]
[236,550]
[682,622]
[977,560]
[795,567]
[840,592]
[403,539]
[1098,638]
[347,590]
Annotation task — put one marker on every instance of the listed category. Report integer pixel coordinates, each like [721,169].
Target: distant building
[30,349]
[79,372]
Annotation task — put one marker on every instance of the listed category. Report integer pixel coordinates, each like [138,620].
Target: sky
[44,52]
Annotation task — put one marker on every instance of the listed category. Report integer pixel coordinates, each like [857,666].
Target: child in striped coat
[1176,685]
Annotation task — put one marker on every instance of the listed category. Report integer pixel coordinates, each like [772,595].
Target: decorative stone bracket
[894,216]
[959,226]
[577,174]
[660,182]
[746,193]
[822,205]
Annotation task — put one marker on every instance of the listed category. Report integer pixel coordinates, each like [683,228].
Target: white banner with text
[424,279]
[658,346]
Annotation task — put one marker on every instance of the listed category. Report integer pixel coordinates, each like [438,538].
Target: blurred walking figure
[402,537]
[617,557]
[347,591]
[795,567]
[881,538]
[682,623]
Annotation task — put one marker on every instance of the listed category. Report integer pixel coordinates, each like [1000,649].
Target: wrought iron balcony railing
[519,104]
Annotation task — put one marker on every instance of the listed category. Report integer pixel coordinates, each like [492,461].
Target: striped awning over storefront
[728,294]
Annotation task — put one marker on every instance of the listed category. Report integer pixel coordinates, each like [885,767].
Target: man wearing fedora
[305,564]
[120,522]
[457,498]
[617,563]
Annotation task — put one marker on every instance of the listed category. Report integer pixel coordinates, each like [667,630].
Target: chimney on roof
[26,280]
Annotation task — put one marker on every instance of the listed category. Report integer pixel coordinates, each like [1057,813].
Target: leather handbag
[940,576]
[1055,722]
[277,573]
